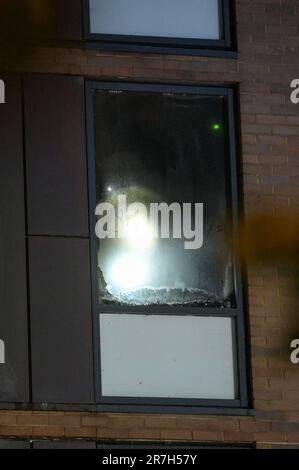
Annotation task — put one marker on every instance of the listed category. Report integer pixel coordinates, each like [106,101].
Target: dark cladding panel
[14,445]
[40,20]
[56,156]
[64,445]
[14,374]
[61,321]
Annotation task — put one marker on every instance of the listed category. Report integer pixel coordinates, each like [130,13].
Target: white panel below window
[193,19]
[167,356]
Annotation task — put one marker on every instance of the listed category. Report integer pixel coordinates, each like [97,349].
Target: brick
[218,424]
[286,427]
[161,423]
[127,422]
[32,420]
[192,423]
[207,436]
[112,434]
[270,437]
[7,419]
[281,405]
[72,420]
[88,432]
[238,436]
[254,426]
[293,438]
[15,431]
[147,434]
[98,421]
[48,431]
[267,395]
[176,435]
[285,384]
[292,395]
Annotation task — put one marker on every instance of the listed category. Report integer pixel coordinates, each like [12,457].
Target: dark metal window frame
[186,406]
[225,47]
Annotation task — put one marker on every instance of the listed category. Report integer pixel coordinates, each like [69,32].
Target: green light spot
[216,127]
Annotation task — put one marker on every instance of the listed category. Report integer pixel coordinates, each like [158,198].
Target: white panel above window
[168,357]
[190,19]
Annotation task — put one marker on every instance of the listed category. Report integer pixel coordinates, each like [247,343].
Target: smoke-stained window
[165,149]
[164,202]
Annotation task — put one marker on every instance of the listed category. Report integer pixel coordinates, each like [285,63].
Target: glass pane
[196,19]
[154,148]
[168,357]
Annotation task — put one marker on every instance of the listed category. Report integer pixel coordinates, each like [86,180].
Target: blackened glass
[166,148]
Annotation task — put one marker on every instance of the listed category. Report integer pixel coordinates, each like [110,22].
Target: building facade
[91,104]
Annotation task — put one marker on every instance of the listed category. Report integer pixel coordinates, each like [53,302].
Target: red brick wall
[268,37]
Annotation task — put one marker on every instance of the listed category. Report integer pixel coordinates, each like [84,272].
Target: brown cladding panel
[61,321]
[56,155]
[14,374]
[40,20]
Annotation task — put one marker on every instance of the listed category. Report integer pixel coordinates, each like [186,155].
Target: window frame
[238,406]
[225,47]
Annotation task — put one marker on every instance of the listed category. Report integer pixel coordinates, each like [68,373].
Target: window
[171,26]
[168,294]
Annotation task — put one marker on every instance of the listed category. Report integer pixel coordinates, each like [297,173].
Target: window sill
[178,410]
[159,49]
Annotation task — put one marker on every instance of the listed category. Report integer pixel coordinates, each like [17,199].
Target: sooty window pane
[196,19]
[154,148]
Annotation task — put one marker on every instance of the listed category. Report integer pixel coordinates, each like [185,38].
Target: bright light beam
[139,234]
[129,272]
